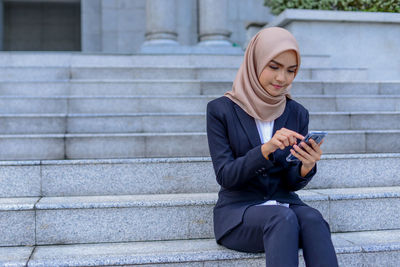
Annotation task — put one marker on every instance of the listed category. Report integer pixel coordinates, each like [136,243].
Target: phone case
[317,136]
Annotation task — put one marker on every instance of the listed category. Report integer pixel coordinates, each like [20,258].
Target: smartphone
[317,136]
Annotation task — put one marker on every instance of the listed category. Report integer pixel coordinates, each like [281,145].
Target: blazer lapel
[280,122]
[249,126]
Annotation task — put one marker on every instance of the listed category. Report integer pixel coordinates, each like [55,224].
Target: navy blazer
[245,176]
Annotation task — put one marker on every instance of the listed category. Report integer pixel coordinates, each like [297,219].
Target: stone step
[125,218]
[77,73]
[119,145]
[156,73]
[172,175]
[175,122]
[180,104]
[369,249]
[184,87]
[66,59]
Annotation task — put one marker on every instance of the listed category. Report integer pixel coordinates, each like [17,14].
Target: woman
[251,130]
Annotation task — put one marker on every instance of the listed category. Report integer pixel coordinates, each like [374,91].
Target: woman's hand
[308,155]
[281,139]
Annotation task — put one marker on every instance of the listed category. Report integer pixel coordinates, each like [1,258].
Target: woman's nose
[280,77]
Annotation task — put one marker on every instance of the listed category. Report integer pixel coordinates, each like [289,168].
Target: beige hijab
[247,91]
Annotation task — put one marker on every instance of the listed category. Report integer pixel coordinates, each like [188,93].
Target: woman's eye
[292,71]
[273,67]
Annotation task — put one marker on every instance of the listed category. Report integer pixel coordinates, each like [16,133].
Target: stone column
[1,26]
[214,22]
[161,23]
[91,31]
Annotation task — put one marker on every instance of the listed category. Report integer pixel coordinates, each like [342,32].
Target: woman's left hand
[308,155]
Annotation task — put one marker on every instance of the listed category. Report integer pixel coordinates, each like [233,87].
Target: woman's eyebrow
[280,64]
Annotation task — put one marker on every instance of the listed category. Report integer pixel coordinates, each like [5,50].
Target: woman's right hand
[281,139]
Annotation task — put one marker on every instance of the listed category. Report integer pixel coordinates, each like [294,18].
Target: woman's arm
[231,172]
[300,174]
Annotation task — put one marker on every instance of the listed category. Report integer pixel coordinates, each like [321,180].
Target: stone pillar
[161,23]
[214,22]
[91,31]
[1,26]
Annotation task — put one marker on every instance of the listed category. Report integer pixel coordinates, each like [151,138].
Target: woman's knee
[285,218]
[312,218]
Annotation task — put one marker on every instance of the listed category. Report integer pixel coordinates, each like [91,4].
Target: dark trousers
[280,231]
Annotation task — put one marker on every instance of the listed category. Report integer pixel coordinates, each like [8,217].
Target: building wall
[242,12]
[119,26]
[112,26]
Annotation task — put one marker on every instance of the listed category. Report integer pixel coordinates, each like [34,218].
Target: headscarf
[247,92]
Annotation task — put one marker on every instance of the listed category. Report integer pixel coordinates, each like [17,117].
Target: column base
[198,49]
[160,42]
[215,43]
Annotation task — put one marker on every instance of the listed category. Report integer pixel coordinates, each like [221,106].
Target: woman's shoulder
[220,100]
[219,104]
[296,106]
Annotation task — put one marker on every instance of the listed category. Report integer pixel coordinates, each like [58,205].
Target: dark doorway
[42,26]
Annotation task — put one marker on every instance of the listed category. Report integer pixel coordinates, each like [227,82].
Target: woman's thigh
[249,235]
[307,216]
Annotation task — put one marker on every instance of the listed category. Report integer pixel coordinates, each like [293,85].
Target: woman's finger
[277,143]
[288,132]
[302,152]
[297,155]
[316,147]
[282,137]
[310,150]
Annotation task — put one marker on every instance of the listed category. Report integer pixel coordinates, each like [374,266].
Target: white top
[265,129]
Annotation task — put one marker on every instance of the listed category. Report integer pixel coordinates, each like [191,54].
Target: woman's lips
[277,86]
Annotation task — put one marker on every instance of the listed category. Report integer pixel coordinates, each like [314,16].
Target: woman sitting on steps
[251,130]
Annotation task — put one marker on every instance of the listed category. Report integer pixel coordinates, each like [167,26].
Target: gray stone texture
[27,147]
[170,87]
[114,146]
[156,73]
[356,171]
[32,105]
[124,218]
[332,31]
[144,177]
[159,176]
[130,124]
[161,22]
[15,88]
[33,74]
[182,144]
[91,25]
[177,104]
[34,124]
[15,256]
[213,22]
[130,22]
[20,181]
[113,26]
[17,221]
[69,220]
[205,252]
[350,208]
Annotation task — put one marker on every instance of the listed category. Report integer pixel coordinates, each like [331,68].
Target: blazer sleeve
[231,172]
[293,179]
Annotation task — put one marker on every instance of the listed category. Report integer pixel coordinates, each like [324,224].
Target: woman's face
[279,73]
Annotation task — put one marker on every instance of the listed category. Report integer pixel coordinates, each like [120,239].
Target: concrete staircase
[105,160]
